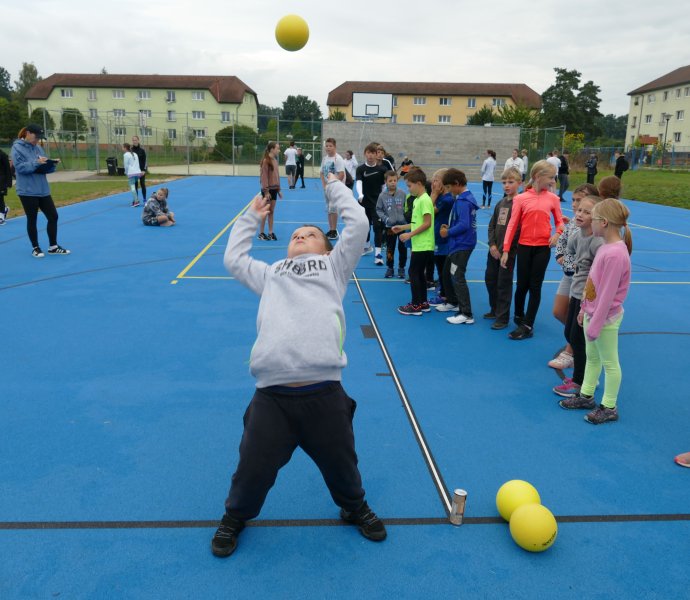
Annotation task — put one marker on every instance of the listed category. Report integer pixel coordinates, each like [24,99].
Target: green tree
[243,135]
[519,114]
[5,87]
[73,124]
[337,115]
[483,116]
[36,116]
[567,103]
[265,114]
[12,118]
[613,127]
[28,77]
[300,107]
[574,143]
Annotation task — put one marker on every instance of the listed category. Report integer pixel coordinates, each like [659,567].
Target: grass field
[670,188]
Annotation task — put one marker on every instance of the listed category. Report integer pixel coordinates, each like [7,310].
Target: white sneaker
[460,319]
[378,260]
[564,360]
[367,250]
[445,307]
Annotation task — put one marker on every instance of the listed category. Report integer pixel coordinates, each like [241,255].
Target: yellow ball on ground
[533,527]
[515,493]
[292,33]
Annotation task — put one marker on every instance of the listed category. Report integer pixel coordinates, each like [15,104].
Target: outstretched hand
[260,205]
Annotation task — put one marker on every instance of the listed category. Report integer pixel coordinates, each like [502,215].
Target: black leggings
[487,186]
[141,181]
[32,204]
[531,268]
[300,173]
[418,264]
[575,335]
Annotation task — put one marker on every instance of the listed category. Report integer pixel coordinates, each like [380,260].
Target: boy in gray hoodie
[390,208]
[299,400]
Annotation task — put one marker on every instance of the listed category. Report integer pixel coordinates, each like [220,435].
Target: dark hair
[373,147]
[454,176]
[390,174]
[491,153]
[589,189]
[416,176]
[127,147]
[331,141]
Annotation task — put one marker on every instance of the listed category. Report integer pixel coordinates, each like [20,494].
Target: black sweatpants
[141,181]
[299,174]
[499,285]
[375,222]
[276,422]
[417,272]
[575,336]
[32,204]
[393,240]
[531,268]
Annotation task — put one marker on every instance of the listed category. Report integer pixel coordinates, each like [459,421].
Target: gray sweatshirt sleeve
[250,272]
[348,250]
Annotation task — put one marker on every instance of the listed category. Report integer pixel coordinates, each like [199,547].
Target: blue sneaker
[437,301]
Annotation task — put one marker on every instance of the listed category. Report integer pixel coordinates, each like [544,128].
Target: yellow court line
[210,244]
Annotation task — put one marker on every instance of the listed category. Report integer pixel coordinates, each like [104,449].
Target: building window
[419,100]
[170,97]
[225,116]
[172,134]
[676,136]
[198,115]
[637,101]
[418,118]
[651,98]
[172,116]
[200,134]
[145,132]
[687,92]
[678,90]
[66,93]
[444,101]
[93,113]
[634,122]
[93,130]
[92,95]
[143,94]
[498,102]
[118,94]
[119,113]
[647,119]
[395,101]
[444,118]
[471,103]
[198,95]
[665,96]
[143,116]
[680,115]
[119,131]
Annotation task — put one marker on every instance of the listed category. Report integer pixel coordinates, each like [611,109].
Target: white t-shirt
[290,156]
[332,164]
[555,161]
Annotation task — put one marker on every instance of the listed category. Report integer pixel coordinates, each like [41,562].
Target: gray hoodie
[301,322]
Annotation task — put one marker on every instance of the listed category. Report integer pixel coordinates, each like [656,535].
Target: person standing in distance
[31,166]
[291,164]
[143,165]
[332,163]
[5,184]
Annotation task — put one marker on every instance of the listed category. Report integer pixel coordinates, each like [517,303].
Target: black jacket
[5,174]
[141,155]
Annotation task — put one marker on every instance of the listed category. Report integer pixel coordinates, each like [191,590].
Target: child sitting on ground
[499,282]
[390,210]
[297,360]
[156,211]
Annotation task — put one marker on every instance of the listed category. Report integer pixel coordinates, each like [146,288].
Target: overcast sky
[618,45]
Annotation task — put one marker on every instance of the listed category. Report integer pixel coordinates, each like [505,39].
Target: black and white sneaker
[58,250]
[262,236]
[224,541]
[37,252]
[332,234]
[3,215]
[272,237]
[370,526]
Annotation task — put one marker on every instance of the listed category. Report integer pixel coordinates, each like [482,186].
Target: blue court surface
[125,378]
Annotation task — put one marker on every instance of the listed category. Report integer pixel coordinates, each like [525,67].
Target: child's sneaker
[367,250]
[401,273]
[567,389]
[578,401]
[489,315]
[389,273]
[58,250]
[437,301]
[601,414]
[460,319]
[430,285]
[370,526]
[446,307]
[424,307]
[224,541]
[498,325]
[410,309]
[522,332]
[272,237]
[135,204]
[332,234]
[378,260]
[37,252]
[563,361]
[3,215]
[262,236]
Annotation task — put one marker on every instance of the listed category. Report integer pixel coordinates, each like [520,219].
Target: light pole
[667,116]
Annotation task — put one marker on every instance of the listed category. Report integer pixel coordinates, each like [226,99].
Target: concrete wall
[429,146]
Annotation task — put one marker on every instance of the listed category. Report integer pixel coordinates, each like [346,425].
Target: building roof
[678,77]
[223,88]
[519,92]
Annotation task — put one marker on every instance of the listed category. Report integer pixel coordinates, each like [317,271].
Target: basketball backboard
[372,106]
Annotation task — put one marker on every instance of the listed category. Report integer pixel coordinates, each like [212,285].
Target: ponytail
[627,238]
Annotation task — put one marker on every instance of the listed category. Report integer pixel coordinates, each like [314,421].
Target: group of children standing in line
[593,249]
